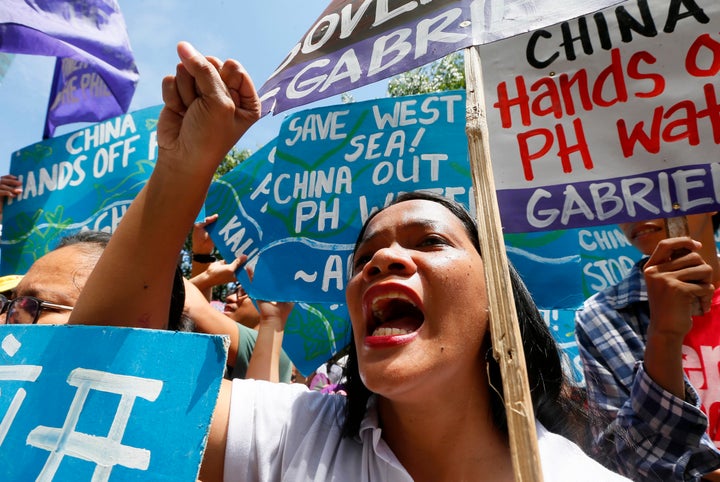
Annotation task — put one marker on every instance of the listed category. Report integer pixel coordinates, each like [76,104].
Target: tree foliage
[231,161]
[447,73]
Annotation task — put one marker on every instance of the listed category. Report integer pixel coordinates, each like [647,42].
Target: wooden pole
[504,328]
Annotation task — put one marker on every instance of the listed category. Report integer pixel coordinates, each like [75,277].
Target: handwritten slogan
[355,43]
[296,206]
[607,118]
[314,332]
[335,166]
[82,180]
[583,261]
[93,403]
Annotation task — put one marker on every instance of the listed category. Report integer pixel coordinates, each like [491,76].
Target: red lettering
[525,157]
[613,72]
[712,112]
[551,94]
[633,72]
[580,79]
[651,142]
[686,126]
[691,60]
[567,94]
[505,103]
[567,150]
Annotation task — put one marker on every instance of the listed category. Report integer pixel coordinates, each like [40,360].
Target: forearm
[213,322]
[663,363]
[265,359]
[201,279]
[132,281]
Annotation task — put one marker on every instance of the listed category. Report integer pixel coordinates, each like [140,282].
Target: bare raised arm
[209,105]
[674,285]
[265,359]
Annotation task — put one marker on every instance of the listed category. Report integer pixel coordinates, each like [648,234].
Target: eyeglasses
[26,309]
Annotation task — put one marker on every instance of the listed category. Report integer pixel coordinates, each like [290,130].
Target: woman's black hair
[555,404]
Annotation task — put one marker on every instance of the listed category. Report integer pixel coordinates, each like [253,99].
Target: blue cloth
[642,431]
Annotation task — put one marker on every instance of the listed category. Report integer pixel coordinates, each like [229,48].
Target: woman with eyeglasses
[49,290]
[47,294]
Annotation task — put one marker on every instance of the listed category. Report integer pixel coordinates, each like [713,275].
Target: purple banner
[356,43]
[95,75]
[649,195]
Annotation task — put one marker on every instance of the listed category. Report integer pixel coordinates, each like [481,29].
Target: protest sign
[335,165]
[353,44]
[562,326]
[581,261]
[314,332]
[94,403]
[607,118]
[318,142]
[82,180]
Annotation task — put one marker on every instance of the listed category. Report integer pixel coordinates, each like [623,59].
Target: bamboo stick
[504,329]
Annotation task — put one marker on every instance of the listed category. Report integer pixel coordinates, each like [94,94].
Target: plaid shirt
[643,431]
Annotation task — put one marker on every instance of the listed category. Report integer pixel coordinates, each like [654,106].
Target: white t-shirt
[286,432]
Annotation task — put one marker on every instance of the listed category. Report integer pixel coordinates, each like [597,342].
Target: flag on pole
[95,73]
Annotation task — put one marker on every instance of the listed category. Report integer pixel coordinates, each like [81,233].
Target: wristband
[203,258]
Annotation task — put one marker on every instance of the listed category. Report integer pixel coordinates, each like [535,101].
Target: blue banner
[82,180]
[99,403]
[563,268]
[314,332]
[336,165]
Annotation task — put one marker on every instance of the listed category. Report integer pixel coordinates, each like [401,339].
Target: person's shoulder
[630,289]
[562,460]
[303,407]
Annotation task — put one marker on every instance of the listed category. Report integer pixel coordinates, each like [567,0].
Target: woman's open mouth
[393,313]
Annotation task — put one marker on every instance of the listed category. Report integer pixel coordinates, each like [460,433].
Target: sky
[258,34]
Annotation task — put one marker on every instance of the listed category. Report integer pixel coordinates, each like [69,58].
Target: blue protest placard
[82,180]
[106,404]
[336,165]
[314,332]
[581,261]
[562,326]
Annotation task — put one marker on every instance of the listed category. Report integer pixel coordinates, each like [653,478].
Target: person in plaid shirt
[647,345]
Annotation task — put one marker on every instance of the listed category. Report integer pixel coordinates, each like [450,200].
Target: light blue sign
[334,166]
[105,404]
[314,331]
[563,268]
[562,326]
[82,180]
